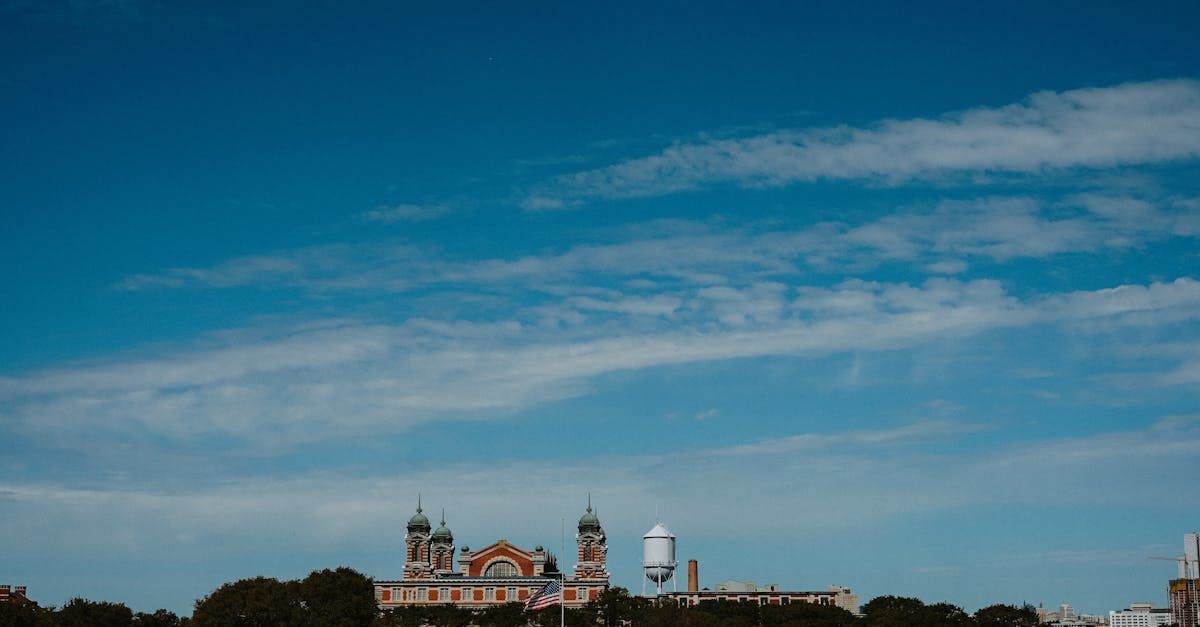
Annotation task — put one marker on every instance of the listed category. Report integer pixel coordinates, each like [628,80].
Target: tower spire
[418,502]
[592,545]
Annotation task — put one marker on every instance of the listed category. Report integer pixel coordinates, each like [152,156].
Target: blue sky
[900,299]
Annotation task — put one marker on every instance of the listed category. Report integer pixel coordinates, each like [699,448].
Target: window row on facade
[473,594]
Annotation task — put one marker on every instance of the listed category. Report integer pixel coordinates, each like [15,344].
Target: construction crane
[1182,561]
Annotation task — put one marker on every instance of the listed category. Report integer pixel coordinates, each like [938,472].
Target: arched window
[501,569]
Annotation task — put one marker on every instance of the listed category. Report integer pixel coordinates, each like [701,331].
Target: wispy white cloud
[405,212]
[656,305]
[540,203]
[1103,127]
[907,435]
[1032,373]
[313,267]
[309,383]
[946,266]
[1184,369]
[940,238]
[1106,557]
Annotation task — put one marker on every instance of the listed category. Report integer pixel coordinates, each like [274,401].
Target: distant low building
[1066,617]
[750,592]
[1140,615]
[844,600]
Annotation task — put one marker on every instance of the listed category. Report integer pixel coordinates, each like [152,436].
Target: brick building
[1185,601]
[494,575]
[750,592]
[13,594]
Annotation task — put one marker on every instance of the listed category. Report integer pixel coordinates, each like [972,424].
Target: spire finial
[418,502]
[589,502]
[443,516]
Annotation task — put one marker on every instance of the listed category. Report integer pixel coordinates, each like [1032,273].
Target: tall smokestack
[693,576]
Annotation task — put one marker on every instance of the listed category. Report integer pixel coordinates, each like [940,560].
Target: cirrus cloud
[1103,127]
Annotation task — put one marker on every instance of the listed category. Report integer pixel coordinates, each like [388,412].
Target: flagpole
[562,576]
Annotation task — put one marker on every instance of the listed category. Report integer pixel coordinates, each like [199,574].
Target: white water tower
[658,557]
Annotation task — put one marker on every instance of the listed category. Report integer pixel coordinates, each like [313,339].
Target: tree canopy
[328,598]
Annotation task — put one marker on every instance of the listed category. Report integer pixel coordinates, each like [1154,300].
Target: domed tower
[593,547]
[441,548]
[417,540]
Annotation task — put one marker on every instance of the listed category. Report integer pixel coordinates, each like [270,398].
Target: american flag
[544,598]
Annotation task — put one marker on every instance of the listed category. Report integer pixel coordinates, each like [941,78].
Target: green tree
[893,611]
[338,598]
[257,602]
[160,618]
[449,616]
[946,615]
[668,615]
[84,613]
[507,615]
[732,613]
[805,615]
[1006,616]
[401,617]
[20,614]
[616,605]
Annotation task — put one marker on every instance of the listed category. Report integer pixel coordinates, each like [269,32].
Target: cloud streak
[943,238]
[1133,123]
[345,378]
[405,212]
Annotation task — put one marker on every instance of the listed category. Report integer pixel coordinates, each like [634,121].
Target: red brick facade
[494,575]
[13,594]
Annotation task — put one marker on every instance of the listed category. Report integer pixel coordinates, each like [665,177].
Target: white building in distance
[1140,615]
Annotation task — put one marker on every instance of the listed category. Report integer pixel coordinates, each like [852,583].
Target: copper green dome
[418,522]
[443,533]
[589,521]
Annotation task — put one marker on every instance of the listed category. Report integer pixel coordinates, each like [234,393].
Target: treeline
[346,598]
[81,613]
[338,598]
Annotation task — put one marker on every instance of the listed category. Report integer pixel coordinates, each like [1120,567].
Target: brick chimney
[693,576]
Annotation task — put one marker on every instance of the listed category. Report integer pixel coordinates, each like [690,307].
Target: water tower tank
[658,555]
